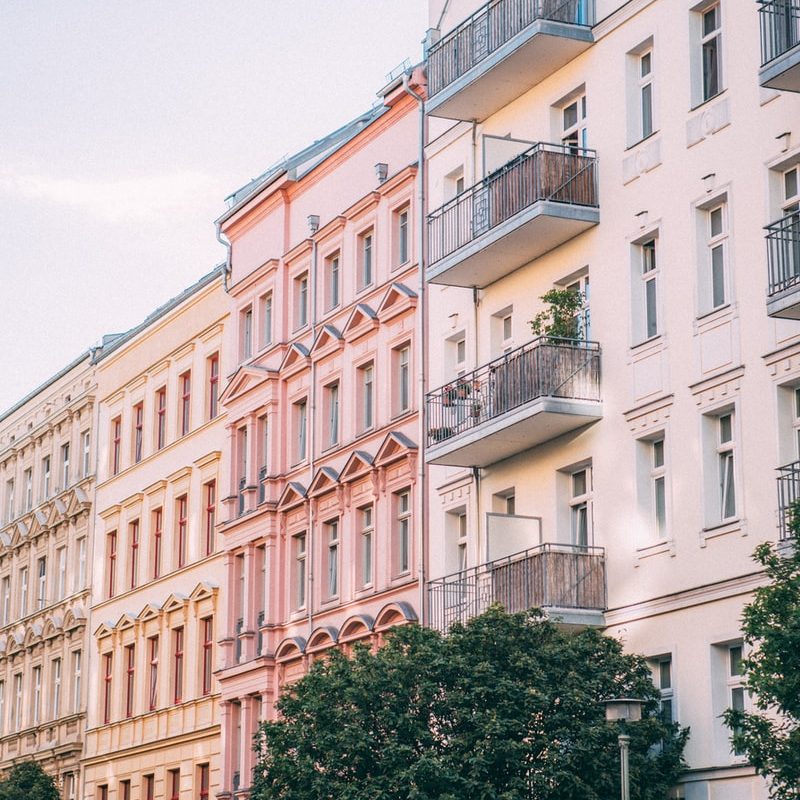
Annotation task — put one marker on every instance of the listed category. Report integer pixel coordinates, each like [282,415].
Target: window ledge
[653,342]
[656,548]
[706,102]
[723,529]
[642,140]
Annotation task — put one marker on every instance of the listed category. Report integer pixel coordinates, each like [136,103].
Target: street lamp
[624,709]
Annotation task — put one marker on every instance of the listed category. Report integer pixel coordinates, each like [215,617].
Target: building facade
[320,539]
[47,475]
[620,474]
[153,713]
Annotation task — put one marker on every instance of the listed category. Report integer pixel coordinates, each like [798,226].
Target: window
[186,399]
[71,783]
[76,681]
[246,332]
[45,477]
[9,500]
[41,582]
[211,515]
[645,75]
[299,542]
[107,678]
[717,256]
[125,790]
[711,52]
[580,512]
[6,599]
[138,432]
[130,675]
[27,480]
[367,385]
[133,558]
[365,260]
[116,442]
[149,787]
[332,538]
[583,319]
[456,526]
[402,232]
[266,319]
[366,537]
[213,386]
[573,119]
[161,418]
[403,534]
[55,688]
[181,521]
[648,290]
[65,465]
[332,281]
[36,710]
[80,572]
[207,654]
[501,330]
[86,440]
[102,792]
[16,714]
[301,301]
[658,482]
[263,458]
[243,455]
[662,677]
[174,784]
[2,707]
[61,581]
[402,362]
[203,781]
[23,592]
[177,665]
[111,562]
[332,403]
[152,689]
[301,424]
[725,461]
[735,687]
[157,521]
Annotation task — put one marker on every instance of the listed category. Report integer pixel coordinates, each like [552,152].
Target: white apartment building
[634,151]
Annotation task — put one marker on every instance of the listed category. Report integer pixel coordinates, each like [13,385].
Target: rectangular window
[403,535]
[111,562]
[263,456]
[247,333]
[332,402]
[107,679]
[133,557]
[658,482]
[210,516]
[157,522]
[9,500]
[300,571]
[36,710]
[301,301]
[80,572]
[177,665]
[181,523]
[301,424]
[76,681]
[403,249]
[138,432]
[149,787]
[6,592]
[46,477]
[102,792]
[402,359]
[86,443]
[16,714]
[725,460]
[332,280]
[152,688]
[366,536]
[662,677]
[717,255]
[174,784]
[332,536]
[161,418]
[213,386]
[736,690]
[71,786]
[41,583]
[367,382]
[207,654]
[186,401]
[65,465]
[266,319]
[711,51]
[365,260]
[580,500]
[2,707]
[649,288]
[130,675]
[27,480]
[574,129]
[55,688]
[61,583]
[116,444]
[646,93]
[203,780]
[125,790]
[23,592]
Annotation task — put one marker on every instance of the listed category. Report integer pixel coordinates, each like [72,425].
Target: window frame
[366,259]
[116,445]
[181,530]
[366,547]
[185,379]
[178,644]
[130,679]
[161,418]
[707,40]
[138,431]
[213,386]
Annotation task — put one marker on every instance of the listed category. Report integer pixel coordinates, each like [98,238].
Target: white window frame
[666,688]
[649,278]
[366,258]
[61,583]
[646,89]
[575,135]
[41,582]
[6,599]
[403,373]
[403,534]
[247,332]
[737,697]
[45,477]
[301,423]
[266,319]
[658,478]
[23,592]
[300,554]
[86,442]
[718,242]
[366,373]
[55,688]
[333,407]
[77,666]
[580,507]
[726,465]
[706,39]
[403,228]
[332,561]
[301,301]
[36,706]
[65,465]
[366,546]
[333,280]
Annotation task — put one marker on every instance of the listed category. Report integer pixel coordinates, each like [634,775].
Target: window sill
[725,528]
[653,341]
[642,140]
[714,314]
[666,545]
[709,100]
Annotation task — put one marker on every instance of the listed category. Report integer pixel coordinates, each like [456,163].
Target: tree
[504,707]
[28,781]
[770,735]
[560,319]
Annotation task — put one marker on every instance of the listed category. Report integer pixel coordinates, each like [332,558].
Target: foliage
[505,707]
[770,734]
[560,320]
[28,781]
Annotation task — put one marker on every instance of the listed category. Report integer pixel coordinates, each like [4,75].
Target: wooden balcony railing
[783,253]
[780,27]
[547,576]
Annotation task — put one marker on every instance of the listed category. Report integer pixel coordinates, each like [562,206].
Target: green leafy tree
[560,318]
[505,707]
[28,781]
[770,734]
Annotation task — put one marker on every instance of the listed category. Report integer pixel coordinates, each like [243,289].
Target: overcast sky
[123,126]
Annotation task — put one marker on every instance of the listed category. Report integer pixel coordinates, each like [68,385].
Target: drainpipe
[476,471]
[223,240]
[313,227]
[422,350]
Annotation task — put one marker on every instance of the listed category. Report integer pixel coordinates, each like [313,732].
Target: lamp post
[622,710]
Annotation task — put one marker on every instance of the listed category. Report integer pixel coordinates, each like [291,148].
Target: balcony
[788,497]
[544,197]
[780,44]
[783,259]
[568,581]
[526,397]
[501,51]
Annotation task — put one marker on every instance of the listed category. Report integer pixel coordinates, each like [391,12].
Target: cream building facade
[153,716]
[47,474]
[622,477]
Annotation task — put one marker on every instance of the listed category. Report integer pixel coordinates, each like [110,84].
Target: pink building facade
[321,547]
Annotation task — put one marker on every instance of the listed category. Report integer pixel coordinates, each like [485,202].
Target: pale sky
[125,123]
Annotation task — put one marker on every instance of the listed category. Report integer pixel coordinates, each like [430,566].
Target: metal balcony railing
[780,27]
[545,367]
[783,253]
[262,489]
[490,27]
[547,576]
[788,497]
[554,172]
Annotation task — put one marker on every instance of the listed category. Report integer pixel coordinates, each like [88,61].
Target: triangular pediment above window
[296,358]
[41,517]
[150,611]
[58,510]
[396,445]
[360,463]
[329,338]
[103,630]
[175,602]
[125,622]
[398,298]
[244,380]
[362,320]
[292,495]
[326,479]
[203,591]
[77,501]
[23,529]
[34,526]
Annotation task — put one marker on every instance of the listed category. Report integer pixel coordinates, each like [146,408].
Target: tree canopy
[506,706]
[28,781]
[770,733]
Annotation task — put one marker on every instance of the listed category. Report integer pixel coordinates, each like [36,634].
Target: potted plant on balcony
[440,434]
[560,319]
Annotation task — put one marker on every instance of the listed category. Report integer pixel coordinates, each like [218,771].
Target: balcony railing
[496,23]
[788,496]
[546,367]
[548,576]
[783,253]
[780,27]
[557,173]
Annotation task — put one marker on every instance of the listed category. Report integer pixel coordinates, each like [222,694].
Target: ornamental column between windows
[249,719]
[227,641]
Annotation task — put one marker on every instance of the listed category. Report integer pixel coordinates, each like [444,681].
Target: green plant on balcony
[793,519]
[559,320]
[460,390]
[440,434]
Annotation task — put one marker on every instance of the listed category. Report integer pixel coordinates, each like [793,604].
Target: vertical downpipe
[313,227]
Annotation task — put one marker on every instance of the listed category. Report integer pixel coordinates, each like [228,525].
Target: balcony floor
[522,238]
[782,72]
[785,304]
[517,430]
[516,66]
